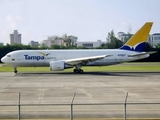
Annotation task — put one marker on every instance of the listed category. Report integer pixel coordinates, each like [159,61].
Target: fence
[72,110]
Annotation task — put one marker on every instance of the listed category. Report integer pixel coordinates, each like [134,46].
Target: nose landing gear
[15,70]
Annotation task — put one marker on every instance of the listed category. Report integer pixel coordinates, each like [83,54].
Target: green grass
[135,67]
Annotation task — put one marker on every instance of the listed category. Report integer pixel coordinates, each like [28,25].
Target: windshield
[8,55]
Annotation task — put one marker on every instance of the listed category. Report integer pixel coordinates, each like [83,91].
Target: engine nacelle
[57,65]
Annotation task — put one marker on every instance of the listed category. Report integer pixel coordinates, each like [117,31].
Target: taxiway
[90,88]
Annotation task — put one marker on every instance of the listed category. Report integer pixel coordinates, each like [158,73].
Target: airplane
[62,59]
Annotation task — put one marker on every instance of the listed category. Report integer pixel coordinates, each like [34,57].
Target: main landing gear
[15,70]
[78,69]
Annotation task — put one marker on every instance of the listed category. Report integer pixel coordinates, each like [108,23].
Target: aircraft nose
[3,59]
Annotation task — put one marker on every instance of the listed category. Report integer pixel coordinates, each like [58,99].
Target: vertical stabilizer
[137,42]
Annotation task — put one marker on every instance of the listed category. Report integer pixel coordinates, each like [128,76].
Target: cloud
[18,19]
[10,23]
[123,24]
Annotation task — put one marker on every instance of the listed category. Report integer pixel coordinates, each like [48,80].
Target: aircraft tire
[75,71]
[81,71]
[78,71]
[15,71]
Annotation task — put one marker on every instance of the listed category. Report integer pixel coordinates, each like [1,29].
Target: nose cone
[3,59]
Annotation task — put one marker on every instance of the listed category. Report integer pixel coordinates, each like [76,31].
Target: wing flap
[85,59]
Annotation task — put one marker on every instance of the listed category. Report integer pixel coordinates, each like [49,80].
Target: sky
[89,20]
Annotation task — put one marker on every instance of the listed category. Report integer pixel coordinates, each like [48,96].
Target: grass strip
[125,68]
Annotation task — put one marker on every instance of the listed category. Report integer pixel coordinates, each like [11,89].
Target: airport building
[122,36]
[53,40]
[33,43]
[62,41]
[154,39]
[46,43]
[73,40]
[15,38]
[98,43]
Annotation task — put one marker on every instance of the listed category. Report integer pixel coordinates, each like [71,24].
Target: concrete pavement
[90,88]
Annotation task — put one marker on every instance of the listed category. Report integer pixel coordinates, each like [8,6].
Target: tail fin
[137,42]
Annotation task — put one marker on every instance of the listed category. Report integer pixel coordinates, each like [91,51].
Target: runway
[90,88]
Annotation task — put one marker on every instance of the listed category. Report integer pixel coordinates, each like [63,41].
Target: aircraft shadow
[138,74]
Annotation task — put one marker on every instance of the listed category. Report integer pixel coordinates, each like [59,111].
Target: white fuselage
[35,58]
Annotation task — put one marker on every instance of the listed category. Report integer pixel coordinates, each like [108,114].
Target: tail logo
[138,47]
[44,54]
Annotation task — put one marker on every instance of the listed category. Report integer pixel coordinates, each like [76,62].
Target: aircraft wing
[85,59]
[143,53]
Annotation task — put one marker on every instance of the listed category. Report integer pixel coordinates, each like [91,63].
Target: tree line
[111,43]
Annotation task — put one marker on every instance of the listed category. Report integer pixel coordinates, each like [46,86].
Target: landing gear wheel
[81,71]
[15,70]
[78,71]
[75,71]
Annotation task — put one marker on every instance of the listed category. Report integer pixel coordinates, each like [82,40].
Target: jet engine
[57,65]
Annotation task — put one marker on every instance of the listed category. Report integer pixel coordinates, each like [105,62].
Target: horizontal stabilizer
[143,53]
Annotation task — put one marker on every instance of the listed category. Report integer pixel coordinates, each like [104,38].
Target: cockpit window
[8,55]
